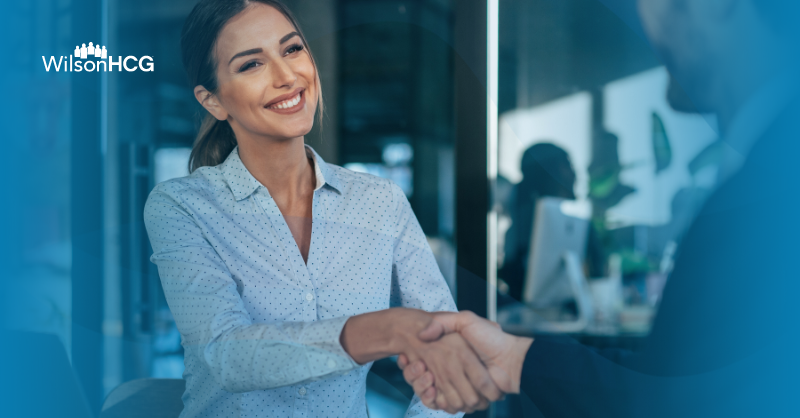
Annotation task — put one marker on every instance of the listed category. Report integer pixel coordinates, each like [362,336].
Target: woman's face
[267,83]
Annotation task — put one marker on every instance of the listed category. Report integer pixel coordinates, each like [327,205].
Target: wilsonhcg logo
[76,63]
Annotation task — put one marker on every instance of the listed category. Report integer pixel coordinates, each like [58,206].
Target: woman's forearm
[375,335]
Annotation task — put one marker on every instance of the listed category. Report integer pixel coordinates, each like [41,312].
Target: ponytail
[215,141]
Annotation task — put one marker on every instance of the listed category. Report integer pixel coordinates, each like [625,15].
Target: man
[723,342]
[546,171]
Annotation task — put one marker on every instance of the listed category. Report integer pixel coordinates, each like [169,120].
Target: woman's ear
[209,101]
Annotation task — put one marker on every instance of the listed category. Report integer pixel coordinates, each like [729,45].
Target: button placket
[317,245]
[281,228]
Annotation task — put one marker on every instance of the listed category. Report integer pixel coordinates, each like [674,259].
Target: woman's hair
[215,139]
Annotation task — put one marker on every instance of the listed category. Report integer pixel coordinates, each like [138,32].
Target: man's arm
[565,380]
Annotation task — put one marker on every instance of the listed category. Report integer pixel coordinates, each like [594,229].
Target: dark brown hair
[215,139]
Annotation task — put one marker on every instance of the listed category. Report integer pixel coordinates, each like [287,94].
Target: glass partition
[585,124]
[598,175]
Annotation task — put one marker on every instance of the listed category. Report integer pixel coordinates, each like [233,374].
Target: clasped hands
[454,361]
[500,354]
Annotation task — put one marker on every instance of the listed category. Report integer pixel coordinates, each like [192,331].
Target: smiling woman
[280,269]
[200,44]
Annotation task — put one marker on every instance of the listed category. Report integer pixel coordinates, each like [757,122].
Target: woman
[278,267]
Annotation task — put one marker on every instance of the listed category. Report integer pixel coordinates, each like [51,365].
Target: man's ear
[210,101]
[713,10]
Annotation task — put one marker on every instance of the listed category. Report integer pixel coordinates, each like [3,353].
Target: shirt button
[309,297]
[331,363]
[301,391]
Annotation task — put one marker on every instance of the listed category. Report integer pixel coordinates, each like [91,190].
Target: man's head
[547,169]
[719,50]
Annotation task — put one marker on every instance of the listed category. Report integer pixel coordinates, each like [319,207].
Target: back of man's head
[720,52]
[781,15]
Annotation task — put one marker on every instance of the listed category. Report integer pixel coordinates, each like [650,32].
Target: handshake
[454,361]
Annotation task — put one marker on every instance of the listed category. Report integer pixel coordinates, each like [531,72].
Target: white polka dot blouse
[260,327]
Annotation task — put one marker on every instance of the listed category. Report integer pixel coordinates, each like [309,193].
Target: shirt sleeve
[215,326]
[416,280]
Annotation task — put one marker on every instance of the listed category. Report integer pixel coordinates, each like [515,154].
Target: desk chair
[36,379]
[145,398]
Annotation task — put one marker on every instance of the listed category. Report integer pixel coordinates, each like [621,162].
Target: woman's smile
[288,103]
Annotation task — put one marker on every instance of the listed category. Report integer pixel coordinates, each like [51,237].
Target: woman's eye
[294,48]
[248,66]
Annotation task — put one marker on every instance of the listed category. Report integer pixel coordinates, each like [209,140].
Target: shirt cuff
[324,349]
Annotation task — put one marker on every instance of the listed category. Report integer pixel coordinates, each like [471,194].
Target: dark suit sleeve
[571,380]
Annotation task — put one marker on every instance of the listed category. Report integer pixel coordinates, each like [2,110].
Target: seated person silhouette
[546,172]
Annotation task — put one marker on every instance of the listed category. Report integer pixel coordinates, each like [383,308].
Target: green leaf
[601,185]
[661,148]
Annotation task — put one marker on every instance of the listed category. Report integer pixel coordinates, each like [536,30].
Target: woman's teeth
[287,103]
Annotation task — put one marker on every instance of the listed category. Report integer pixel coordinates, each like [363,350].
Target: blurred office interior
[405,89]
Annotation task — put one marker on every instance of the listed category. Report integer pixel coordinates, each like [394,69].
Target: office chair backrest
[36,379]
[145,398]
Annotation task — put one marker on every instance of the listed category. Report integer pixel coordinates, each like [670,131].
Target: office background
[405,92]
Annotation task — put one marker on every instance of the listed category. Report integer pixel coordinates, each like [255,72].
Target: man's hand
[462,381]
[503,354]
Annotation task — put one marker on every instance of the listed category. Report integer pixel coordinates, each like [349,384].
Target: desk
[625,341]
[596,335]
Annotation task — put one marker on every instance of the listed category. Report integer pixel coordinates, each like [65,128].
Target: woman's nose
[282,74]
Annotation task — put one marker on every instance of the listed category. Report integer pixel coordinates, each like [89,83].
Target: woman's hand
[375,335]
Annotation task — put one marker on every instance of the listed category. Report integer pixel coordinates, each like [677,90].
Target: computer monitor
[555,274]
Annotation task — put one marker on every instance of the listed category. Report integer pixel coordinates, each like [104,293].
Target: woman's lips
[289,106]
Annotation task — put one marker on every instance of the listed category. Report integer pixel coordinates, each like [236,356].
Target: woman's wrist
[375,335]
[404,327]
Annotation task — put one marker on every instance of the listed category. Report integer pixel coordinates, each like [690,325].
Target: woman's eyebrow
[248,52]
[289,36]
[257,50]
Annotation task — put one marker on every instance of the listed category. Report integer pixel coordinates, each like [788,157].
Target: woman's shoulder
[370,188]
[349,178]
[203,184]
[201,179]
